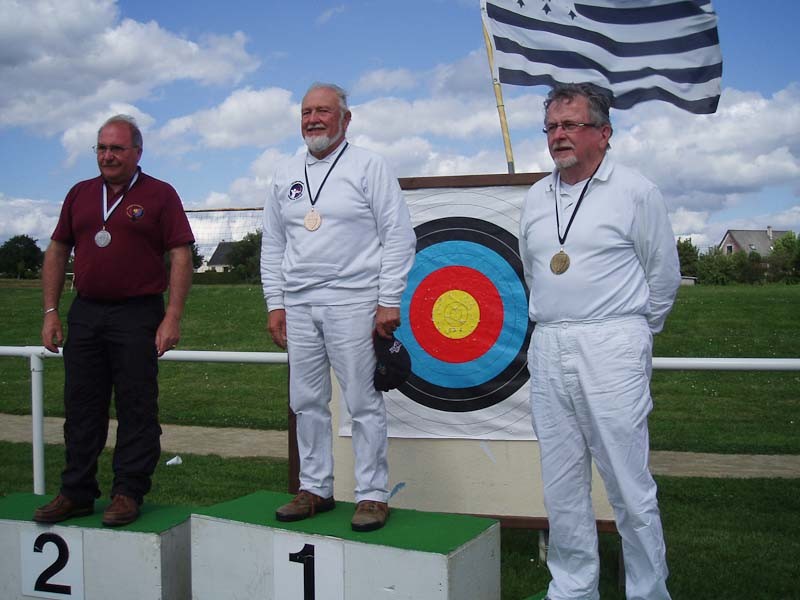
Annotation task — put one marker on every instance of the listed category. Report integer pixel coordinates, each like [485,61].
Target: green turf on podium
[148,559]
[239,549]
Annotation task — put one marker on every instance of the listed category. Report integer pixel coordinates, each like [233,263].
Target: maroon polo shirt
[148,222]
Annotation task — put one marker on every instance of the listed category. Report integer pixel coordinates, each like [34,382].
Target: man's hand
[168,334]
[276,324]
[387,320]
[55,263]
[52,332]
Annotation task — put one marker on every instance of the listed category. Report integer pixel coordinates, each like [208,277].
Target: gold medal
[312,220]
[560,262]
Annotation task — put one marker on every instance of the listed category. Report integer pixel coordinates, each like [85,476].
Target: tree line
[21,258]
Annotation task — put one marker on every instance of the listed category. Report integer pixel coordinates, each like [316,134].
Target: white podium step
[79,559]
[239,550]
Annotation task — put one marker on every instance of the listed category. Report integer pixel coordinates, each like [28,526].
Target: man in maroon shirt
[120,225]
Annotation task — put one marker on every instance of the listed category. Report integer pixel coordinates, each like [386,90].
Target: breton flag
[638,49]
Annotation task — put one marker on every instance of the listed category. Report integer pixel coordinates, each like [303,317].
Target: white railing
[36,355]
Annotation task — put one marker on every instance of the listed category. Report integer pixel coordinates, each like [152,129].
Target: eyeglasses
[115,150]
[567,126]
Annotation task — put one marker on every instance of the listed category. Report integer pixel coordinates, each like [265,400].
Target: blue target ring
[505,348]
[501,370]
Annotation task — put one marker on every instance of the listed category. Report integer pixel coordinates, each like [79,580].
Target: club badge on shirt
[134,212]
[296,190]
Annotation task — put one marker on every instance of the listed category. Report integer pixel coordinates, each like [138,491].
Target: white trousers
[590,398]
[321,337]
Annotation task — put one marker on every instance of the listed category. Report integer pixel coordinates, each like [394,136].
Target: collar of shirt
[312,160]
[603,172]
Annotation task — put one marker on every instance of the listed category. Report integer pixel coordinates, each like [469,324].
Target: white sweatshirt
[363,249]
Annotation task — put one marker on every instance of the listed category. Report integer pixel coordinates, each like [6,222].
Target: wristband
[49,310]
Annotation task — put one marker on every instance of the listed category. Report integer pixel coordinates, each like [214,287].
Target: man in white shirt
[337,248]
[600,260]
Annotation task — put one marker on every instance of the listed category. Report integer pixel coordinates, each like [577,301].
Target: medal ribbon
[311,196]
[107,211]
[556,194]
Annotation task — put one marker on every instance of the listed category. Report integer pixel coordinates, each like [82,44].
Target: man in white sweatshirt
[337,248]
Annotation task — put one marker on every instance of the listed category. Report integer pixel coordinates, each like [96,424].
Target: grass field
[725,538]
[702,411]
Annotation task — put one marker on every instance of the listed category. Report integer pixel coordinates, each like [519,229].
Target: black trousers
[111,346]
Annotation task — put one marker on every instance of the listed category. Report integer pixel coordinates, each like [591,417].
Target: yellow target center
[456,314]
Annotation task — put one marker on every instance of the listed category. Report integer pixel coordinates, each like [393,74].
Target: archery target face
[465,316]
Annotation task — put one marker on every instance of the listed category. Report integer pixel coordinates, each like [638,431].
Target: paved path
[230,442]
[226,442]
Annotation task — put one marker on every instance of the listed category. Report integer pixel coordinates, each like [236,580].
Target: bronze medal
[559,263]
[312,220]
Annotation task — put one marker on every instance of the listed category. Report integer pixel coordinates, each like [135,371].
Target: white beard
[566,163]
[317,143]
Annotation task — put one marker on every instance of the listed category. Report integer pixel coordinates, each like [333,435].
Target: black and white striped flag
[638,49]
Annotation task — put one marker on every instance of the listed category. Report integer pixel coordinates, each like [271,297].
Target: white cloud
[688,223]
[24,216]
[447,117]
[327,15]
[245,118]
[788,219]
[248,191]
[468,76]
[107,61]
[385,80]
[750,143]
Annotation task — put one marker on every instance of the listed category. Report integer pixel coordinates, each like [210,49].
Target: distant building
[220,261]
[750,240]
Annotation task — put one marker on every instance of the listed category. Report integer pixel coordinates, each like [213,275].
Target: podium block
[239,550]
[79,559]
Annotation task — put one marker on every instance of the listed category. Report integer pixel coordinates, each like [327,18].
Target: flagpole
[501,109]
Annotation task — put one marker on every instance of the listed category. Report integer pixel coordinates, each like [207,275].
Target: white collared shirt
[623,257]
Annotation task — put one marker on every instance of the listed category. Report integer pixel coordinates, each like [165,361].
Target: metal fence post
[37,421]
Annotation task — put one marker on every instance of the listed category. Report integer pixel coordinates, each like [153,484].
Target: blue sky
[216,88]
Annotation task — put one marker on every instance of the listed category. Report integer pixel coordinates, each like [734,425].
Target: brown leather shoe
[122,511]
[370,515]
[60,509]
[304,505]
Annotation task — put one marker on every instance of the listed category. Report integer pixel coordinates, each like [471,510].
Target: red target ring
[482,323]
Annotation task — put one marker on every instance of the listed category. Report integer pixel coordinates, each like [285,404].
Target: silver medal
[102,238]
